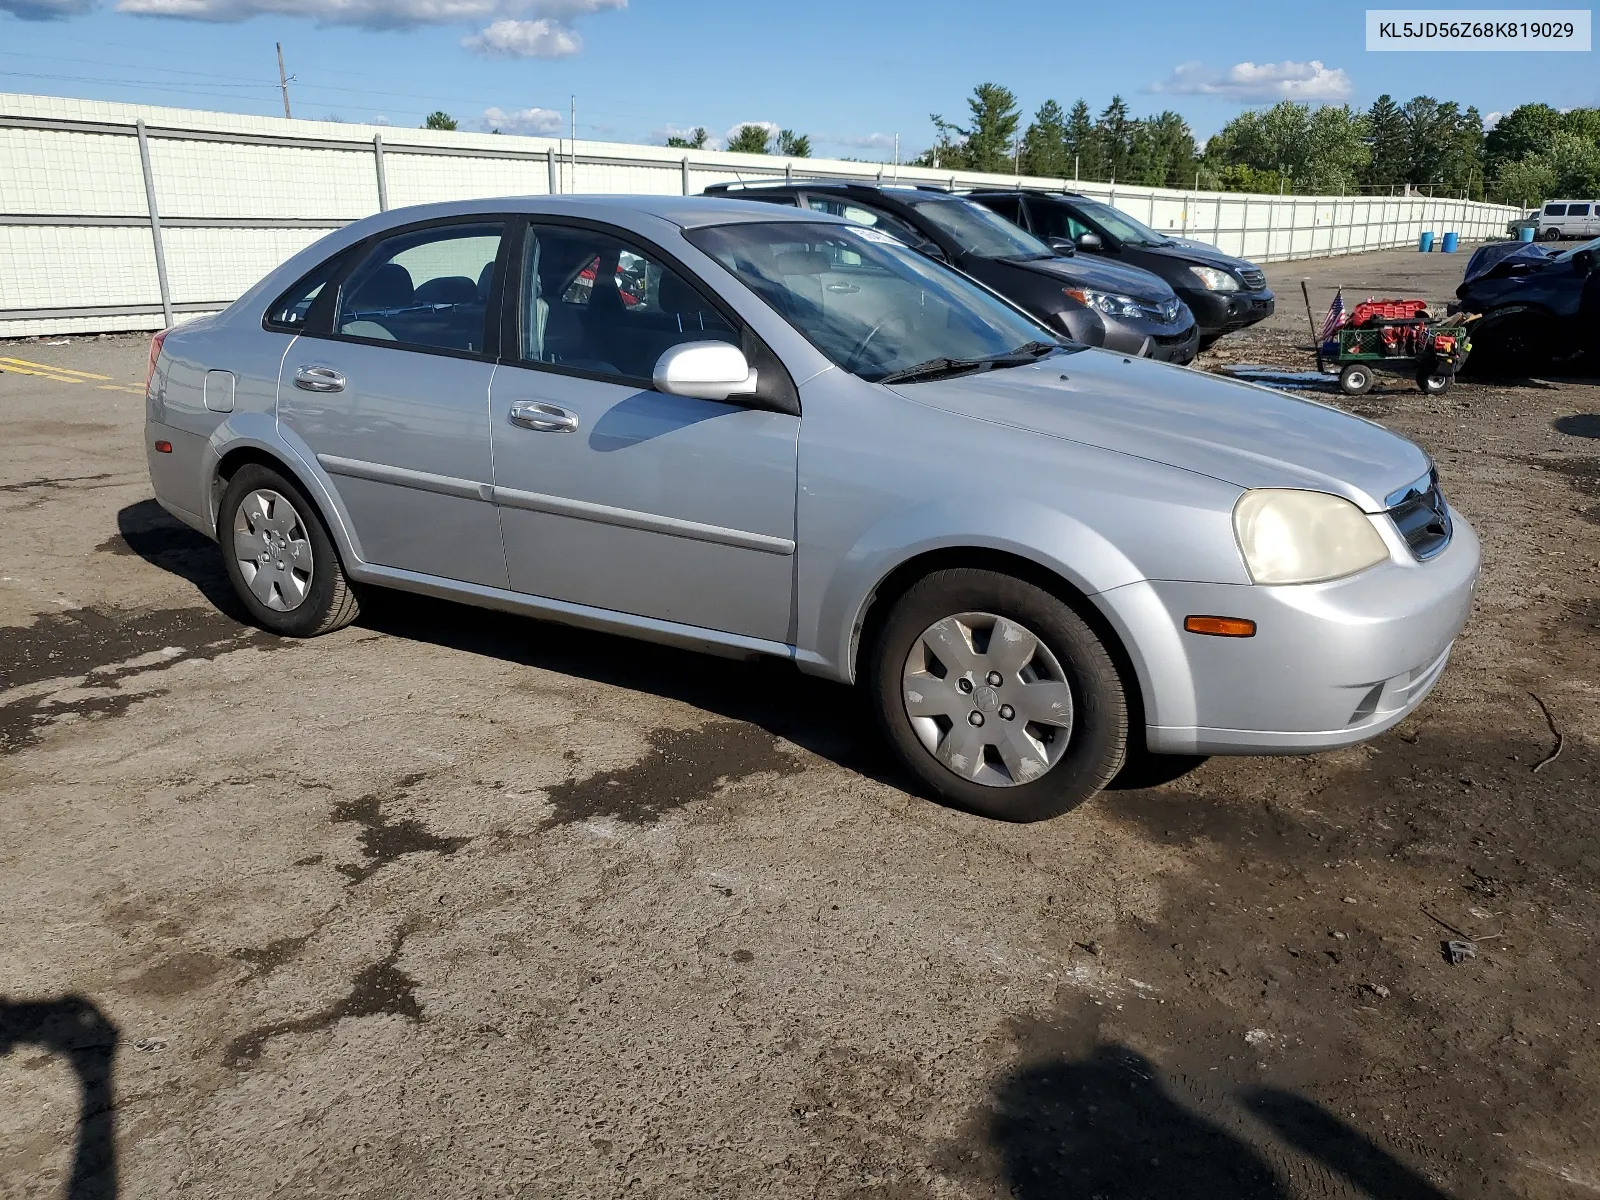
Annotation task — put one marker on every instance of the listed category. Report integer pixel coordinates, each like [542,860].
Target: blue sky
[850,75]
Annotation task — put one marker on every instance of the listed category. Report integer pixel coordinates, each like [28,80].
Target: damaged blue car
[1537,306]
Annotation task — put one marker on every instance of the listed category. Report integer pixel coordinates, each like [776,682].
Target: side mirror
[932,249]
[705,371]
[1063,246]
[1090,242]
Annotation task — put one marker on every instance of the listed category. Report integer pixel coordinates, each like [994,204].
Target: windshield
[1566,255]
[1121,226]
[978,231]
[874,307]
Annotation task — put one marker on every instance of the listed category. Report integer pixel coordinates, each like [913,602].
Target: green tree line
[1431,145]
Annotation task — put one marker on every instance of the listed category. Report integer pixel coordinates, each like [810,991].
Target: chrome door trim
[425,481]
[629,518]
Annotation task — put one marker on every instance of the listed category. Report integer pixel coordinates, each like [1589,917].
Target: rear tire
[1432,385]
[1049,735]
[280,557]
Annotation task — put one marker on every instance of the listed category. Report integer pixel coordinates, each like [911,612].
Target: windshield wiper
[935,367]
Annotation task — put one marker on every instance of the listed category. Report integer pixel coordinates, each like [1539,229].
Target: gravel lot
[451,904]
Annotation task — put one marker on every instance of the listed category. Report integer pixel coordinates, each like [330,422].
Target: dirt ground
[451,904]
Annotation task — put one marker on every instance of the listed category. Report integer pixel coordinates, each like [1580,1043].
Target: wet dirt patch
[1584,425]
[186,971]
[682,766]
[381,989]
[1581,473]
[23,722]
[57,483]
[82,641]
[264,960]
[384,840]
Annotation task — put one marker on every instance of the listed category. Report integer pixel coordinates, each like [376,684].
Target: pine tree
[1080,144]
[1044,147]
[695,141]
[749,139]
[986,145]
[1114,133]
[794,145]
[1390,160]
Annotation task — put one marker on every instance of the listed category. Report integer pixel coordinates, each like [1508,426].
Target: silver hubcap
[272,549]
[988,699]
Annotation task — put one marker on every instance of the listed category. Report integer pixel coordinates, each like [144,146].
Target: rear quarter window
[1555,210]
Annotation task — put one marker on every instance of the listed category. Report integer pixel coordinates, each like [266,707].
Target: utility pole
[572,141]
[1016,155]
[897,158]
[283,80]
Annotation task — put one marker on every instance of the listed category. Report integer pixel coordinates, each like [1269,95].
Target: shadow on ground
[72,1028]
[1105,1125]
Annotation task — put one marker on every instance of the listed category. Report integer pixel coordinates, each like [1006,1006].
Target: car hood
[1084,271]
[1237,432]
[1505,256]
[1186,250]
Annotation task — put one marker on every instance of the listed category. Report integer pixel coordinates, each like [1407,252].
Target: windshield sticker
[877,235]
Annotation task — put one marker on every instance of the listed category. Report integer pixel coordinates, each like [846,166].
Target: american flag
[1335,319]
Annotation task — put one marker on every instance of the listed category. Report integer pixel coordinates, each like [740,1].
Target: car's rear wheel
[997,696]
[280,558]
[1550,235]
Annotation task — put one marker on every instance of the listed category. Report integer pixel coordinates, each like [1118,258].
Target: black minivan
[1224,293]
[1110,305]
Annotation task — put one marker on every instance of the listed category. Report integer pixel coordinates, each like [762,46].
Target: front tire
[997,696]
[280,557]
[1355,379]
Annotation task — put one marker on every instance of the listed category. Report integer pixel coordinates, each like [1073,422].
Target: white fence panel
[236,195]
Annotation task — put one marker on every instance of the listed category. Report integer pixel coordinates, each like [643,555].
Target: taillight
[155,353]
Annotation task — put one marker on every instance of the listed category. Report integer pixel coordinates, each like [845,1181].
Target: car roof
[686,212]
[1042,193]
[893,190]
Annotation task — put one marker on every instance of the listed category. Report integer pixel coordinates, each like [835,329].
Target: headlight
[1215,280]
[1109,303]
[1289,536]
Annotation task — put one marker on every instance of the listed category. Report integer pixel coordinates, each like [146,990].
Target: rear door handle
[545,418]
[319,379]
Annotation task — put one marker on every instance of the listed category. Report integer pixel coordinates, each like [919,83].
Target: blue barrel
[1425,242]
[1525,233]
[1450,240]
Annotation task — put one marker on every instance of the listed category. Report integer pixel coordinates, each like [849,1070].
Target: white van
[1569,219]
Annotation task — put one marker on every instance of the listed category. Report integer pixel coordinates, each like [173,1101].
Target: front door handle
[319,379]
[546,418]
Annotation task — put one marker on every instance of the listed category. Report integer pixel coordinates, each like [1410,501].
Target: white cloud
[540,121]
[1490,121]
[866,141]
[523,28]
[543,38]
[45,10]
[1249,82]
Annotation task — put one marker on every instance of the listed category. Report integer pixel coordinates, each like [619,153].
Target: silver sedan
[753,431]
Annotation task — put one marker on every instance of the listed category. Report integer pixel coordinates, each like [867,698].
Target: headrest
[447,289]
[485,278]
[387,287]
[804,262]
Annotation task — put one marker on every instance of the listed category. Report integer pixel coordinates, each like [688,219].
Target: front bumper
[1173,342]
[1224,312]
[1330,664]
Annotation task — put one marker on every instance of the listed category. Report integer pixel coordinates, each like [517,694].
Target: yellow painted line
[22,362]
[117,387]
[5,366]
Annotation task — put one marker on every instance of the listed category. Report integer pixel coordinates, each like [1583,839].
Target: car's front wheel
[280,557]
[997,696]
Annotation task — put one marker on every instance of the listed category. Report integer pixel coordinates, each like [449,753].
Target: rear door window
[1577,210]
[426,289]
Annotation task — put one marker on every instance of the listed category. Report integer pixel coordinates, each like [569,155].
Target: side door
[619,497]
[392,396]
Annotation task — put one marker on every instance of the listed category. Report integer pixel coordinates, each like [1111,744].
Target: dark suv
[1224,293]
[1094,302]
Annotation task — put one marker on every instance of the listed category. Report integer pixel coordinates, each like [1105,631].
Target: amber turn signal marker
[163,447]
[1221,626]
